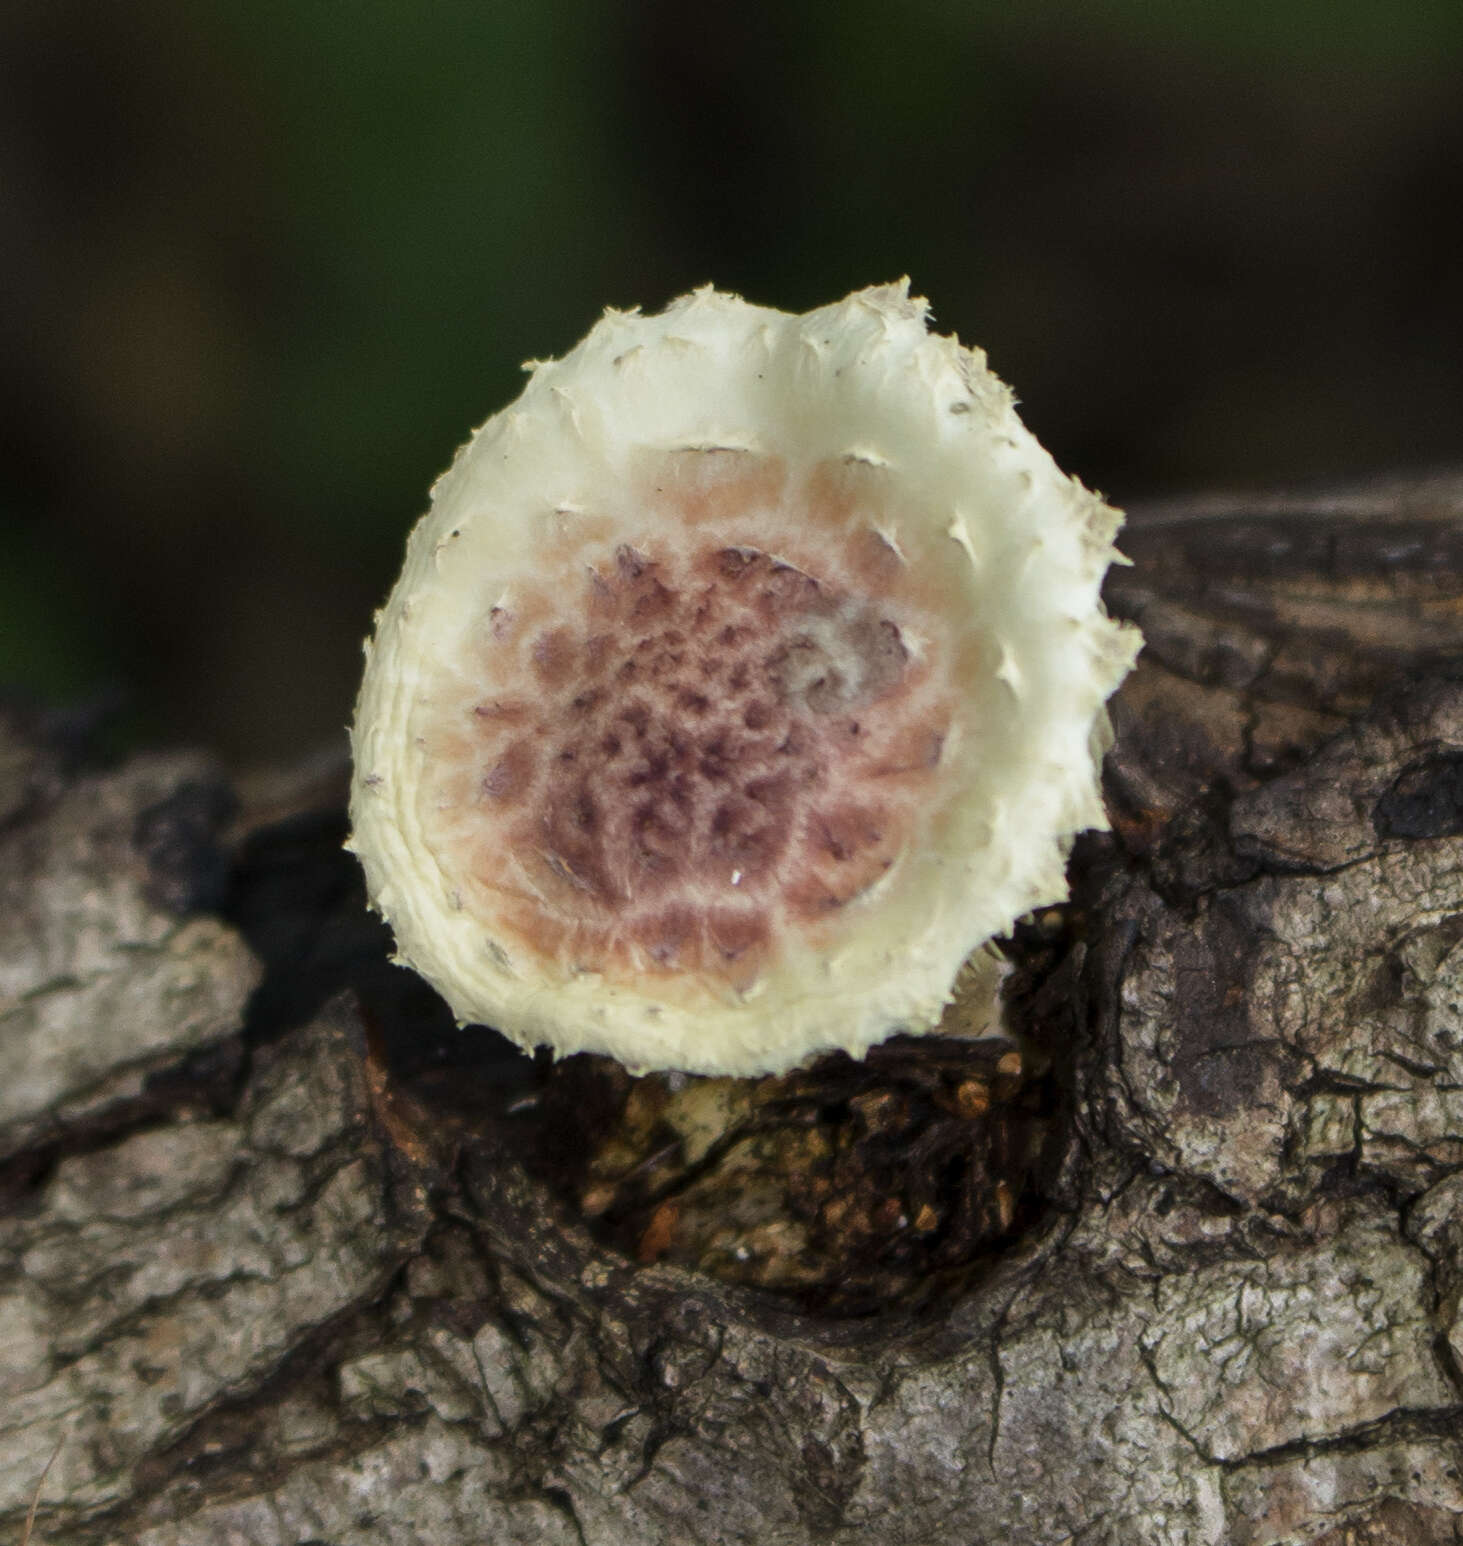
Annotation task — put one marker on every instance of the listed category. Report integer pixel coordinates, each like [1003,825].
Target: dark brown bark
[285,1259]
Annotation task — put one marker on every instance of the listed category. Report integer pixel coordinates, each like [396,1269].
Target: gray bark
[278,1263]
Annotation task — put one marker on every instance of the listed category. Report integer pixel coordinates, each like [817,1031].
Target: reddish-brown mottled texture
[686,744]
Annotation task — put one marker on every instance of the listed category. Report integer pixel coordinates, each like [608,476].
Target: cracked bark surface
[277,1264]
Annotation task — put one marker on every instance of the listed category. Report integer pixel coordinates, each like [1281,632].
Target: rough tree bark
[276,1265]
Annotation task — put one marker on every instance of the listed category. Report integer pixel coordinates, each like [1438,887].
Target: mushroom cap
[745,675]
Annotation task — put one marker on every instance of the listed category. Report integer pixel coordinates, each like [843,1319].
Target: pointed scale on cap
[743,678]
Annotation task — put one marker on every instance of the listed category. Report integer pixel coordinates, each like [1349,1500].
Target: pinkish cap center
[683,751]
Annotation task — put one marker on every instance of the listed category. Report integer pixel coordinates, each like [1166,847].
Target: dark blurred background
[263,266]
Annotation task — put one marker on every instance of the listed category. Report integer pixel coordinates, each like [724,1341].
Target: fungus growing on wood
[744,677]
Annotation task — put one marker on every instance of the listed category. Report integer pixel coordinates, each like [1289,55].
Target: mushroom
[744,677]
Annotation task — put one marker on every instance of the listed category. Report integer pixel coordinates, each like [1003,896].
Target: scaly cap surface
[745,675]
